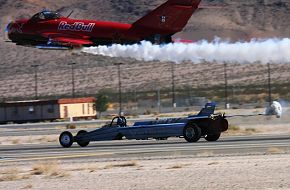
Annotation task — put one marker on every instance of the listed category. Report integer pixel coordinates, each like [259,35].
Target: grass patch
[27,187]
[12,174]
[253,130]
[121,165]
[47,139]
[234,128]
[206,154]
[90,169]
[50,169]
[213,163]
[275,150]
[16,141]
[30,140]
[177,166]
[71,126]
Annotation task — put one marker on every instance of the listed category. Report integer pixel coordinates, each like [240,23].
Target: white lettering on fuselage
[77,26]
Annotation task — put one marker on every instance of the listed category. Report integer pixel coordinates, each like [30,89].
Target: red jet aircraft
[50,30]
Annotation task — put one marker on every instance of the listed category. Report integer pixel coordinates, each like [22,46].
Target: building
[47,110]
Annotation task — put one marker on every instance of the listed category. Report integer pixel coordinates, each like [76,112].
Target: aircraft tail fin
[169,18]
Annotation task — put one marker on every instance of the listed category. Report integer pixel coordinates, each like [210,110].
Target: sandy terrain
[270,170]
[243,172]
[239,20]
[33,139]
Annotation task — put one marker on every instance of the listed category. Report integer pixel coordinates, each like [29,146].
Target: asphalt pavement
[242,145]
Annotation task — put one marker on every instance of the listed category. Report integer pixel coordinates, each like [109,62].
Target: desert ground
[238,20]
[264,170]
[270,171]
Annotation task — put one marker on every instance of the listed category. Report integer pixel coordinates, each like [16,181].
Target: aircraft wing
[61,39]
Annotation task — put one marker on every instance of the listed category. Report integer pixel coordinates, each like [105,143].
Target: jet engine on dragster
[274,109]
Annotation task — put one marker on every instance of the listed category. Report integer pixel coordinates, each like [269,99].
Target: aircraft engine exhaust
[274,109]
[257,50]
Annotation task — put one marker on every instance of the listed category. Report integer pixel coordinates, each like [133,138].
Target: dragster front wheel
[66,139]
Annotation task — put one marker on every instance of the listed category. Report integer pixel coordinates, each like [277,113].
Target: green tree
[101,104]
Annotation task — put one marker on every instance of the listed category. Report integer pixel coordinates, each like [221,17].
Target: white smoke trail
[270,50]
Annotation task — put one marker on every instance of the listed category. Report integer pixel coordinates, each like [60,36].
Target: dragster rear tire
[191,133]
[212,137]
[66,139]
[82,143]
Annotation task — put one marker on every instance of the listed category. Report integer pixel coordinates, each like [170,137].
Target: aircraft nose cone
[9,29]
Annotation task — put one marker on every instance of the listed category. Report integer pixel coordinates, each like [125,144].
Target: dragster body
[206,124]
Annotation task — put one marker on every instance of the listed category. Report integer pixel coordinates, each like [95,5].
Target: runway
[243,145]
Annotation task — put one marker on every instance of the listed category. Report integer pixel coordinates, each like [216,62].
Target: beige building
[42,110]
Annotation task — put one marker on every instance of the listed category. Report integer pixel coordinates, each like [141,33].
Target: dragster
[205,124]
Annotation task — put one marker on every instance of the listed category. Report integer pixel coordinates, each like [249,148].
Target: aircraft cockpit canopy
[46,15]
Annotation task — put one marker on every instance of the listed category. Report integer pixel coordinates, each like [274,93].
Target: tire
[82,143]
[66,139]
[192,133]
[212,137]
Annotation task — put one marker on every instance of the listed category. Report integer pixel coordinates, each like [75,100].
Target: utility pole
[158,100]
[226,86]
[120,87]
[35,80]
[269,84]
[73,78]
[173,86]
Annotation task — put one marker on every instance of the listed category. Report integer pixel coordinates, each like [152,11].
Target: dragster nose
[15,28]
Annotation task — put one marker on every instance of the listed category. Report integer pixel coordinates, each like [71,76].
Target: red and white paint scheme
[51,30]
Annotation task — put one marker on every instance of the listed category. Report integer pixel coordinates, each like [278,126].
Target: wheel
[212,137]
[82,143]
[191,133]
[66,139]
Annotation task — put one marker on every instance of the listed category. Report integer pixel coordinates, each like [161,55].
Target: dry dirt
[206,171]
[270,171]
[33,139]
